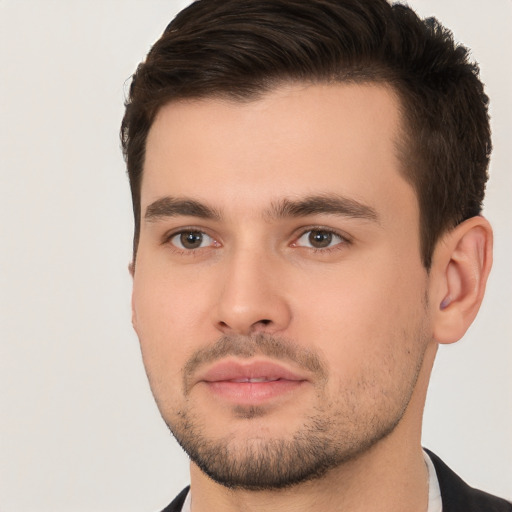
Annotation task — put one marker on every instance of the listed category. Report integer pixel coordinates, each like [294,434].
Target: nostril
[245,328]
[261,325]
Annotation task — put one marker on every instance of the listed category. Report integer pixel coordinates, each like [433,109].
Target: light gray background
[78,427]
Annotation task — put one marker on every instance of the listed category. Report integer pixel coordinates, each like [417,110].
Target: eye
[191,239]
[319,239]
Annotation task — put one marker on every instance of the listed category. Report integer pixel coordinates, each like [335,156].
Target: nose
[252,295]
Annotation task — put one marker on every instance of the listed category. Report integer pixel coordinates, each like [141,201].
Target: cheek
[167,322]
[166,301]
[368,317]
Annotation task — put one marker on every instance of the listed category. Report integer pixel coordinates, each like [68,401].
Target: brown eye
[320,239]
[191,240]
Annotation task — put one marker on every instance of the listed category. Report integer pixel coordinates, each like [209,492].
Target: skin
[363,305]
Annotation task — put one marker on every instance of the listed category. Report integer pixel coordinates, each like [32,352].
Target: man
[307,180]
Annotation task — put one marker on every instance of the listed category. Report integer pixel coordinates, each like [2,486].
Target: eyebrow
[175,207]
[331,204]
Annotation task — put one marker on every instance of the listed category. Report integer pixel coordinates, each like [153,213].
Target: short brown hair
[241,49]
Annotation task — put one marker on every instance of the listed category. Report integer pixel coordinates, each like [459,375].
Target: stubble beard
[336,431]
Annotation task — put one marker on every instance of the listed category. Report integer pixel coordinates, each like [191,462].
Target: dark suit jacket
[457,496]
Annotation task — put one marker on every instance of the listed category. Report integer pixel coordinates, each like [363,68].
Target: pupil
[320,239]
[191,240]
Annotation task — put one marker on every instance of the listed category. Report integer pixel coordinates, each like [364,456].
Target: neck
[375,481]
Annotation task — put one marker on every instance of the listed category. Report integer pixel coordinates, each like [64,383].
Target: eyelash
[344,240]
[167,240]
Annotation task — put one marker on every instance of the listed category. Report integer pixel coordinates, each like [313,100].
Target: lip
[236,370]
[250,383]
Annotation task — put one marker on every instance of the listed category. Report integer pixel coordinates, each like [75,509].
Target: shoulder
[458,496]
[177,503]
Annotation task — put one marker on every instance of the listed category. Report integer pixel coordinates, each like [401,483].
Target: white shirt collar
[435,503]
[188,500]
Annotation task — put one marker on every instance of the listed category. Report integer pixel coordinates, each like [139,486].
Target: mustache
[261,344]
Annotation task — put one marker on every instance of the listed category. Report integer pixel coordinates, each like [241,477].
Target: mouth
[257,379]
[250,383]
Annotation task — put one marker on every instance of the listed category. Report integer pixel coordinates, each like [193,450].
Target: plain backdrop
[78,427]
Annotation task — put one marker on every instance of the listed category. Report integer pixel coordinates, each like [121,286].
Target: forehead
[295,140]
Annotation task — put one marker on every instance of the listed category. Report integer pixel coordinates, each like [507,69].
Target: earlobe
[131,269]
[461,265]
[134,315]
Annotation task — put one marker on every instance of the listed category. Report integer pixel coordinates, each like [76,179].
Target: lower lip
[251,393]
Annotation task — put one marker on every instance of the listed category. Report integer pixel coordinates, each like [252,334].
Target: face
[279,295]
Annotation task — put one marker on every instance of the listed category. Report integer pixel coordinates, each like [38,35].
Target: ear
[134,315]
[461,264]
[131,269]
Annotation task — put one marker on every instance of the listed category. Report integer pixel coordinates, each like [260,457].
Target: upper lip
[230,370]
